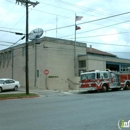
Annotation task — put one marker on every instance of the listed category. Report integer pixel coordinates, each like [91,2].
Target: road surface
[79,111]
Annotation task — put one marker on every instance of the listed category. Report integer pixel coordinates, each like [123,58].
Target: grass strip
[18,95]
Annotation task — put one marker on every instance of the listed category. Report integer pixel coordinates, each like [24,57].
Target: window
[11,81]
[1,81]
[124,68]
[105,75]
[98,75]
[82,63]
[7,82]
[88,76]
[83,77]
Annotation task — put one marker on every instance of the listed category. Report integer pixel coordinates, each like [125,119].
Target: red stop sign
[46,71]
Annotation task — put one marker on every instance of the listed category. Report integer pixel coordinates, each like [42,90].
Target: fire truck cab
[104,80]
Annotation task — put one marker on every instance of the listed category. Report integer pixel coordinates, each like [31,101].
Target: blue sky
[53,14]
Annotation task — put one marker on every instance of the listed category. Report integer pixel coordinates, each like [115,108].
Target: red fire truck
[104,80]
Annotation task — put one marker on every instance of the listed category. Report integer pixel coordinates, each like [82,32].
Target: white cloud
[82,3]
[110,38]
[2,13]
[13,16]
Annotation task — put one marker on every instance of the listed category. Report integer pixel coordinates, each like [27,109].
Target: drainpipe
[12,52]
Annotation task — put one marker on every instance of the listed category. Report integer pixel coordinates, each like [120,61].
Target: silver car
[9,84]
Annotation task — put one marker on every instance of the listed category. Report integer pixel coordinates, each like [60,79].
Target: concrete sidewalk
[42,92]
[47,93]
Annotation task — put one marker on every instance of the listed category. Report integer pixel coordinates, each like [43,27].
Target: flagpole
[75,63]
[75,56]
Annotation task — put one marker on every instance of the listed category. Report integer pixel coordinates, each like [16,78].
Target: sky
[57,19]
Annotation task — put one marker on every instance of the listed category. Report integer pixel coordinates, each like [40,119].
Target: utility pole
[27,3]
[75,59]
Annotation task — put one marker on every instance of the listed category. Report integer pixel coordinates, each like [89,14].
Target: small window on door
[105,75]
[98,75]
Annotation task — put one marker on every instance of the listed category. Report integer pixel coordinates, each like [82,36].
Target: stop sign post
[46,71]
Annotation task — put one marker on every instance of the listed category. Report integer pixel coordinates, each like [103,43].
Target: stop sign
[46,71]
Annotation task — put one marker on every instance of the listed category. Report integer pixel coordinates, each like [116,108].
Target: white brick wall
[56,55]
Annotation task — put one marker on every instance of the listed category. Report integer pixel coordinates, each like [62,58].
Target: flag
[77,27]
[78,18]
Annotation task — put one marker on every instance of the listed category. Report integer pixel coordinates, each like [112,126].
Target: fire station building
[56,56]
[99,60]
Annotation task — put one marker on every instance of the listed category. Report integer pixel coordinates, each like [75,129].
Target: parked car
[9,84]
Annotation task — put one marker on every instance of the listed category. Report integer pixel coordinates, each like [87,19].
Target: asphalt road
[84,111]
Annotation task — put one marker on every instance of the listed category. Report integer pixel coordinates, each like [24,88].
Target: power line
[98,28]
[7,14]
[11,28]
[17,33]
[103,35]
[106,43]
[17,41]
[6,42]
[67,17]
[10,1]
[73,10]
[19,20]
[3,45]
[66,9]
[51,13]
[63,8]
[91,21]
[12,18]
[64,16]
[74,5]
[82,7]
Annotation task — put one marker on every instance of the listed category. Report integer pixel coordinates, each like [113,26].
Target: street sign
[46,71]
